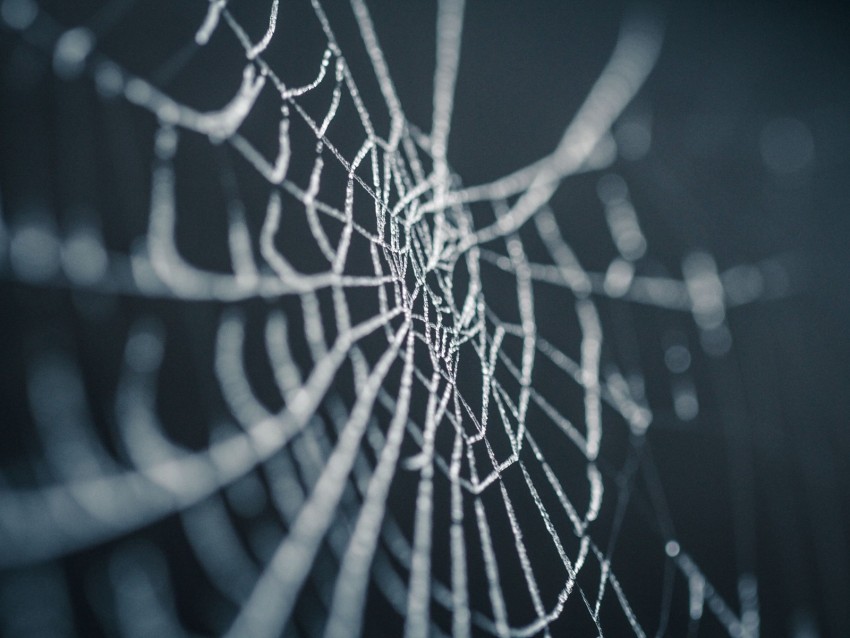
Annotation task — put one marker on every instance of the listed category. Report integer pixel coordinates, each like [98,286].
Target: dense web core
[416,418]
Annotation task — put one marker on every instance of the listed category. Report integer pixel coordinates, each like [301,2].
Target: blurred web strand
[430,234]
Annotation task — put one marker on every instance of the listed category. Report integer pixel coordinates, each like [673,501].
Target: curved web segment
[330,458]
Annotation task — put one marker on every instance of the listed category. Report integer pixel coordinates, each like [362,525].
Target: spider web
[424,442]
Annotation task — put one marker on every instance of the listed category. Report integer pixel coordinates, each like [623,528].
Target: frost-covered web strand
[449,29]
[630,64]
[270,604]
[267,38]
[350,591]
